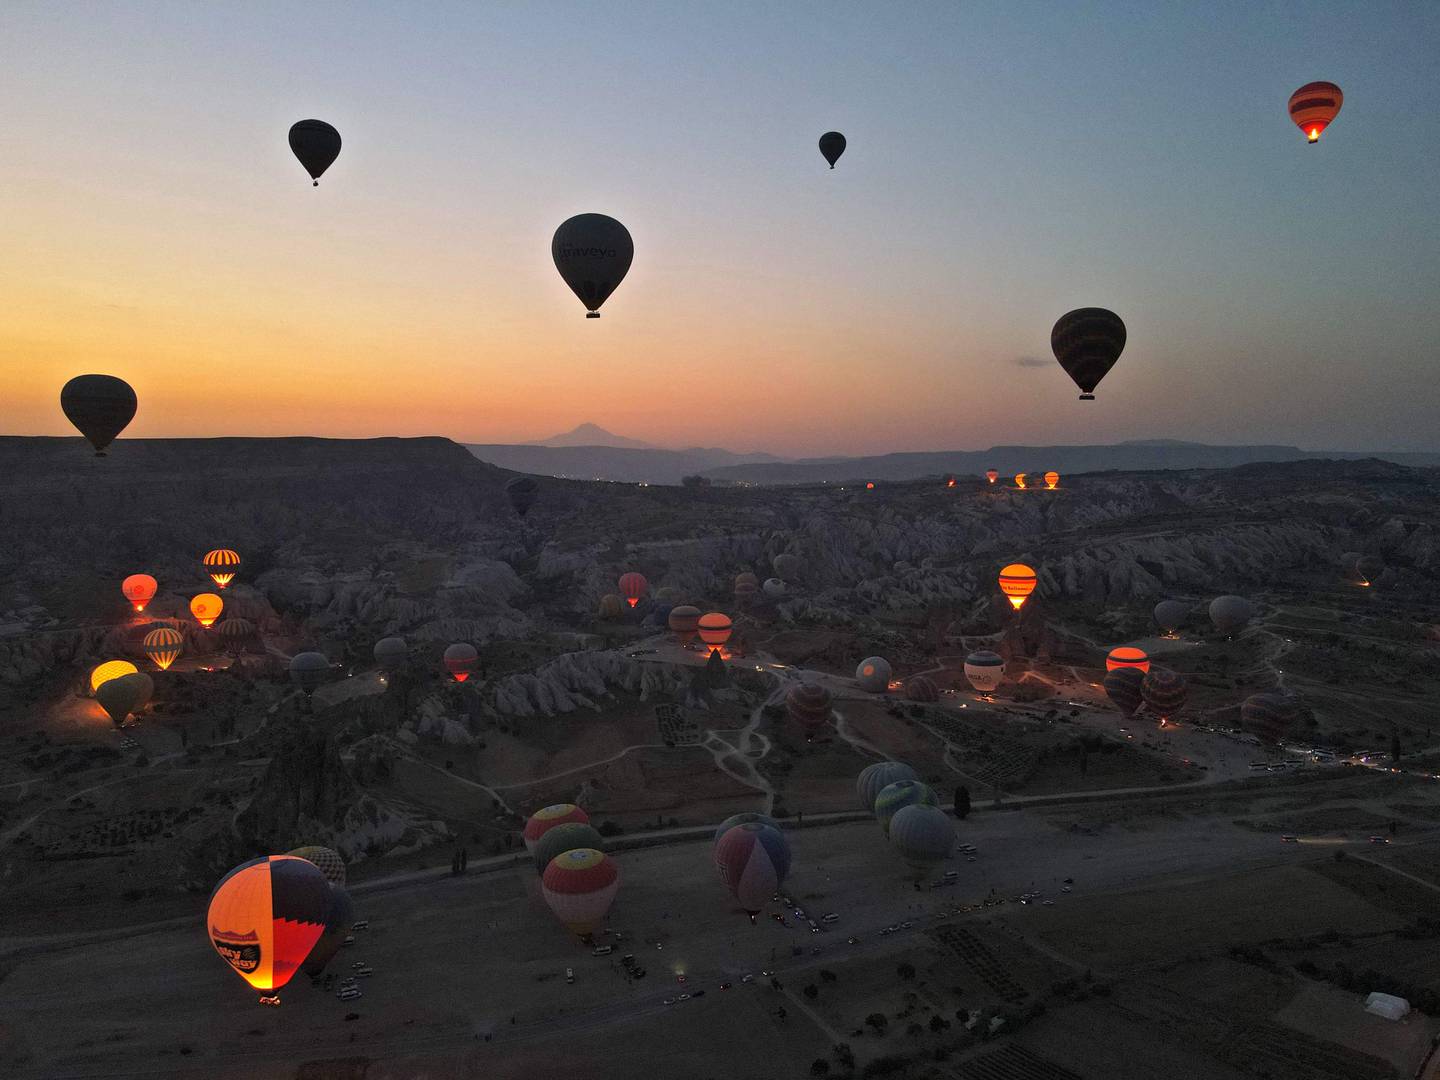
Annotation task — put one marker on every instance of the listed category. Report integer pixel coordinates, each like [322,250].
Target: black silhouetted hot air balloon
[1087,342]
[1270,717]
[328,860]
[1314,106]
[1230,613]
[316,144]
[1164,691]
[921,688]
[100,406]
[121,696]
[522,492]
[1170,615]
[809,704]
[593,254]
[391,653]
[308,670]
[266,915]
[1122,686]
[1368,568]
[832,145]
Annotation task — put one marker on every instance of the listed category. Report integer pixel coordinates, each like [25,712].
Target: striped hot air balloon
[222,565]
[1052,480]
[1269,716]
[921,688]
[1017,582]
[632,587]
[875,778]
[328,861]
[923,835]
[1127,656]
[580,887]
[568,836]
[1164,692]
[163,645]
[235,631]
[1314,106]
[683,622]
[1087,342]
[139,589]
[546,818]
[715,628]
[746,586]
[753,860]
[1122,686]
[985,670]
[902,793]
[809,705]
[266,915]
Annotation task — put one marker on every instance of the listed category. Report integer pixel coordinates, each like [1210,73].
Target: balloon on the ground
[774,588]
[1127,656]
[1087,342]
[611,606]
[873,674]
[902,793]
[753,860]
[593,254]
[832,145]
[460,660]
[633,587]
[110,669]
[100,407]
[715,628]
[580,886]
[163,646]
[337,928]
[746,586]
[567,836]
[1369,567]
[308,670]
[744,818]
[1270,717]
[327,860]
[985,670]
[1171,615]
[1017,582]
[923,835]
[1231,613]
[522,492]
[1314,106]
[316,144]
[549,817]
[1164,691]
[684,621]
[266,915]
[809,705]
[1122,686]
[875,778]
[222,565]
[139,589]
[921,688]
[121,696]
[206,608]
[391,653]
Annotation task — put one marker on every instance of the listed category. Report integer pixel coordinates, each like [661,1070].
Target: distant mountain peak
[588,434]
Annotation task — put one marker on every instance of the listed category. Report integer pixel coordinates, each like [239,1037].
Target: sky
[1007,162]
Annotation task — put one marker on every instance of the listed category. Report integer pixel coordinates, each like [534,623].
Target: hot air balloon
[991,475]
[744,818]
[746,586]
[163,645]
[1127,656]
[873,674]
[1368,568]
[316,144]
[875,778]
[1122,686]
[101,406]
[714,628]
[1164,692]
[684,621]
[950,481]
[611,606]
[633,587]
[234,631]
[1052,480]
[139,589]
[1269,716]
[327,860]
[832,145]
[902,793]
[774,588]
[391,653]
[1020,480]
[869,485]
[1017,582]
[921,688]
[222,565]
[1087,342]
[110,669]
[1231,613]
[460,660]
[809,705]
[923,835]
[985,669]
[1170,615]
[121,696]
[593,254]
[522,492]
[337,928]
[1314,106]
[308,670]
[206,608]
[580,886]
[548,817]
[562,838]
[753,860]
[787,566]
[669,594]
[266,915]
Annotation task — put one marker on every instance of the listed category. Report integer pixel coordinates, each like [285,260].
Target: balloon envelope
[921,688]
[684,621]
[743,818]
[1127,656]
[985,670]
[809,705]
[564,837]
[1087,342]
[753,860]
[337,926]
[580,886]
[1231,613]
[522,492]
[460,660]
[902,793]
[633,587]
[391,653]
[593,254]
[266,915]
[922,834]
[163,646]
[1170,615]
[874,778]
[1017,582]
[548,817]
[873,674]
[326,860]
[1269,716]
[1164,691]
[121,696]
[309,669]
[832,145]
[316,144]
[139,589]
[1314,106]
[222,565]
[100,406]
[1122,686]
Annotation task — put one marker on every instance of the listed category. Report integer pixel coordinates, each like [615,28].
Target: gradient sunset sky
[1007,162]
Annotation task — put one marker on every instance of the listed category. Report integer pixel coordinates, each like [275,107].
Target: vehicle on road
[1379,840]
[604,950]
[350,993]
[363,924]
[832,917]
[683,997]
[747,977]
[1288,839]
[569,975]
[349,940]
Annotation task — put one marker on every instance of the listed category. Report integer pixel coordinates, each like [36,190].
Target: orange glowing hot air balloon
[870,485]
[163,646]
[1020,480]
[1017,582]
[222,565]
[139,589]
[1127,656]
[1314,106]
[633,587]
[950,481]
[110,669]
[1052,480]
[206,608]
[265,916]
[992,475]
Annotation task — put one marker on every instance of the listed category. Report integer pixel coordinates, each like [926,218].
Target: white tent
[1388,1006]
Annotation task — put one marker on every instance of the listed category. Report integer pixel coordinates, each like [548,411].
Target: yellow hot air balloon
[206,608]
[163,646]
[1052,480]
[1019,479]
[222,565]
[110,669]
[1017,582]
